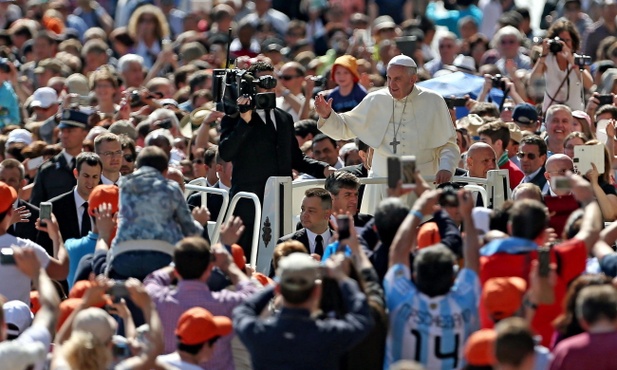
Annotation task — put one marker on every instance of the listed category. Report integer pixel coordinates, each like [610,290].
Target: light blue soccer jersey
[431,331]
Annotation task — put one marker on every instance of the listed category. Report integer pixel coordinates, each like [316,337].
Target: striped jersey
[431,331]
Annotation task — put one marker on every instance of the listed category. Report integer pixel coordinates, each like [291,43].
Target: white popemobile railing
[282,202]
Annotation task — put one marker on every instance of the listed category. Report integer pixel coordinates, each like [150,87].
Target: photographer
[261,143]
[564,73]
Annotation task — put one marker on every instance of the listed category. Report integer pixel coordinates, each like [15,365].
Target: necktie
[269,119]
[73,163]
[85,220]
[319,245]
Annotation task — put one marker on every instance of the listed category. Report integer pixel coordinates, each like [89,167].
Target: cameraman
[564,78]
[261,143]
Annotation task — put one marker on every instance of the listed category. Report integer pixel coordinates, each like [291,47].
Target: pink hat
[582,115]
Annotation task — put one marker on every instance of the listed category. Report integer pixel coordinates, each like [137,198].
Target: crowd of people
[109,108]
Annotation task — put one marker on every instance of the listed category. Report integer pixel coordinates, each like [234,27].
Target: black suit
[54,177]
[65,210]
[27,230]
[259,151]
[299,235]
[215,202]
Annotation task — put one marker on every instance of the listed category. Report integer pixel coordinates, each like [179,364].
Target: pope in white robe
[403,119]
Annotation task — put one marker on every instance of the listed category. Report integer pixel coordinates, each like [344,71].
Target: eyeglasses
[129,158]
[287,77]
[112,154]
[522,155]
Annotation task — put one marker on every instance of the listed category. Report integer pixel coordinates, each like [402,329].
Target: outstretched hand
[323,107]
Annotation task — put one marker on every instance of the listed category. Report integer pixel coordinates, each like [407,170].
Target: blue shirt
[346,103]
[76,249]
[450,18]
[431,331]
[9,107]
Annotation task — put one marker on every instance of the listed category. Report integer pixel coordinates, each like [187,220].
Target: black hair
[389,216]
[434,270]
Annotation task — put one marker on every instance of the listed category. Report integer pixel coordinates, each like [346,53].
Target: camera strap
[565,79]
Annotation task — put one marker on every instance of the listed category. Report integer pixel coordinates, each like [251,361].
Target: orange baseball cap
[8,196]
[503,296]
[66,309]
[197,325]
[480,348]
[104,194]
[35,303]
[428,234]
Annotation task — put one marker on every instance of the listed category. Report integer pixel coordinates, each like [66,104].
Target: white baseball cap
[17,316]
[44,97]
[19,135]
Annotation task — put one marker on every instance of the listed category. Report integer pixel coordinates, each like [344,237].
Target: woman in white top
[564,79]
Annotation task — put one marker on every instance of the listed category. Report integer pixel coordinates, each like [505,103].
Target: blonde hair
[103,73]
[84,351]
[162,27]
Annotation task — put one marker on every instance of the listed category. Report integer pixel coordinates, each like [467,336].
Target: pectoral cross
[394,143]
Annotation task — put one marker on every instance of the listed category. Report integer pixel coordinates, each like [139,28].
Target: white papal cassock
[426,131]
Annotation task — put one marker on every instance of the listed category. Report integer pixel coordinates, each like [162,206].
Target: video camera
[498,82]
[229,84]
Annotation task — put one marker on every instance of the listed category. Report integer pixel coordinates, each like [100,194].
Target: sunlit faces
[313,215]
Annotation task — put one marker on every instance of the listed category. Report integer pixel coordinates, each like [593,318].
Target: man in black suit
[71,208]
[315,215]
[55,176]
[532,154]
[13,174]
[261,144]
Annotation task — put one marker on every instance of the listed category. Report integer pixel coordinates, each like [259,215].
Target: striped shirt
[431,331]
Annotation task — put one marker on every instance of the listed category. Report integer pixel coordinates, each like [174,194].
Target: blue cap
[524,113]
[73,118]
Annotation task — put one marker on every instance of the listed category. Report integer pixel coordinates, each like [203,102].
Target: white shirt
[16,285]
[79,205]
[67,157]
[175,360]
[282,104]
[107,181]
[262,115]
[223,186]
[326,235]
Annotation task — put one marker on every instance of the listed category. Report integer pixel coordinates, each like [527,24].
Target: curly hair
[162,26]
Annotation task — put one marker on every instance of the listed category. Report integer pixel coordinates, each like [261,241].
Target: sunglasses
[287,77]
[522,155]
[129,158]
[198,161]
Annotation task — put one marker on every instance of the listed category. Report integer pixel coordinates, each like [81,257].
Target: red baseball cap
[197,325]
[104,194]
[8,196]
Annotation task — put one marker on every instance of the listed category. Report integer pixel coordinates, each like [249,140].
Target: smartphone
[408,171]
[35,163]
[342,221]
[605,99]
[544,259]
[407,45]
[455,102]
[560,184]
[6,256]
[118,290]
[394,171]
[585,155]
[45,213]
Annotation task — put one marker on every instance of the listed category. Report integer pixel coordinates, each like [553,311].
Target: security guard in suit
[55,177]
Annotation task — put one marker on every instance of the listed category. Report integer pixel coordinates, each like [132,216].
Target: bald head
[481,158]
[558,165]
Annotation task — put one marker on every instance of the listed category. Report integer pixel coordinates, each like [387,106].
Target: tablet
[584,155]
